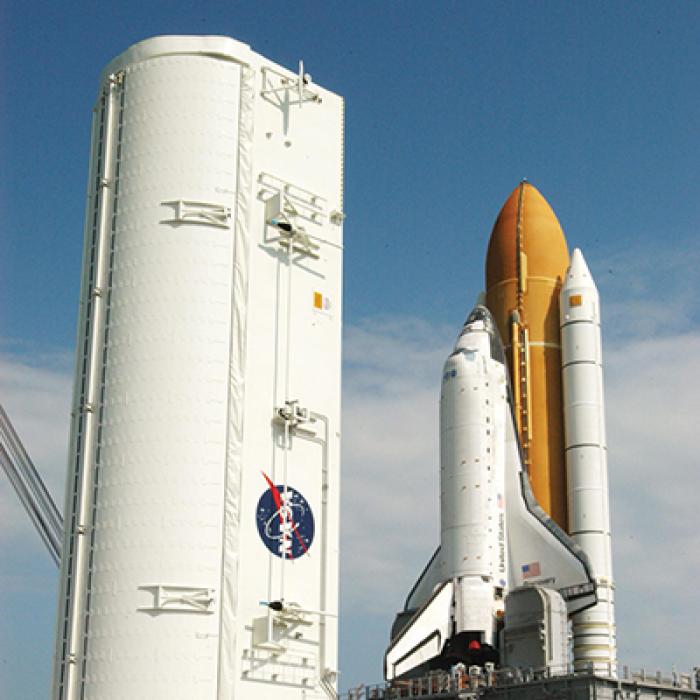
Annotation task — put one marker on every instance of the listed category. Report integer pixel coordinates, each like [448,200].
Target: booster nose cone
[579,298]
[578,273]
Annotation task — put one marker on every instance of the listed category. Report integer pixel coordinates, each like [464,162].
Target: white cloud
[651,327]
[653,413]
[390,457]
[35,390]
[648,292]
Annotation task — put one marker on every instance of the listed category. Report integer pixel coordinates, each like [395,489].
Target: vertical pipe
[67,682]
[325,486]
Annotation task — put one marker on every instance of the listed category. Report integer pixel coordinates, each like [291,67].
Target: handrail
[469,682]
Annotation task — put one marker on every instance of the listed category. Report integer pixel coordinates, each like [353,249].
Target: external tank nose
[526,262]
[527,224]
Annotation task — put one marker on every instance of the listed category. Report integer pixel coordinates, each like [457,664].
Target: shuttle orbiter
[523,469]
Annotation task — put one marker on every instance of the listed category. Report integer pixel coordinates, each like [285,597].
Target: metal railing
[472,681]
[674,679]
[435,684]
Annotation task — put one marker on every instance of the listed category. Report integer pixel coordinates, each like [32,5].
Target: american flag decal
[531,570]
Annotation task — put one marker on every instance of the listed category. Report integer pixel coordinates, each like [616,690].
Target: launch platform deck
[533,685]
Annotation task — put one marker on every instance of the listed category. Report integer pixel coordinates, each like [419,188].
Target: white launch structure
[586,461]
[200,559]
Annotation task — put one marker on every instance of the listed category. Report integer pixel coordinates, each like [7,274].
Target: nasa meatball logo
[285,521]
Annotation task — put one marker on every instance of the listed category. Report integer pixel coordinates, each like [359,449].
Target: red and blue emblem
[285,521]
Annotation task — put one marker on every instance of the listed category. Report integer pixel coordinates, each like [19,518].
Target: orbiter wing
[539,551]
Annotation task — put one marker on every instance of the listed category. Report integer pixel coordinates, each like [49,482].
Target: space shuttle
[523,477]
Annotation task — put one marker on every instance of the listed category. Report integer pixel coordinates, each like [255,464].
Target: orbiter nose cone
[526,222]
[481,313]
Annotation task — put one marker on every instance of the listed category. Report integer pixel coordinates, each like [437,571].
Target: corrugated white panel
[159,500]
[199,324]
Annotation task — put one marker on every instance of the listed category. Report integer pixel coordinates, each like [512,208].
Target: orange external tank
[526,262]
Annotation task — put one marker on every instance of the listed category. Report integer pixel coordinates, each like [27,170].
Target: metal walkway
[529,684]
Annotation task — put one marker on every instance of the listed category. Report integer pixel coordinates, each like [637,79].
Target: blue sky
[448,106]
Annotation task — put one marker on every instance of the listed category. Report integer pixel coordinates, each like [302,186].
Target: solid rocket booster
[586,460]
[526,261]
